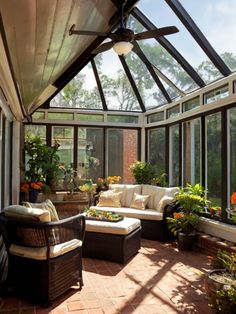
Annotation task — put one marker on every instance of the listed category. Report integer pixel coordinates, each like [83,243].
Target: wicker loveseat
[45,257]
[150,204]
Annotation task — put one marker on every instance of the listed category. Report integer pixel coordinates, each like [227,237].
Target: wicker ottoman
[114,241]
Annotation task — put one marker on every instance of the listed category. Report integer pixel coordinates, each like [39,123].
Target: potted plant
[191,201]
[42,161]
[221,283]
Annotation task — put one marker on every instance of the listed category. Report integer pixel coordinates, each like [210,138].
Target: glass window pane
[214,179]
[90,153]
[80,92]
[148,89]
[122,119]
[192,151]
[38,115]
[173,112]
[90,117]
[216,19]
[232,150]
[32,130]
[60,116]
[191,104]
[216,94]
[155,117]
[174,156]
[157,148]
[65,137]
[183,41]
[122,152]
[118,92]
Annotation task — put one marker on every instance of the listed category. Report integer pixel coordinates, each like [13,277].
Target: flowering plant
[29,186]
[104,182]
[183,222]
[233,198]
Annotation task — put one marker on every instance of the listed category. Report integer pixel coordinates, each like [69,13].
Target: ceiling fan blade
[72,31]
[103,47]
[156,33]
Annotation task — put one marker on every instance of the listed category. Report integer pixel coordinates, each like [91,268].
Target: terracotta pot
[212,285]
[186,241]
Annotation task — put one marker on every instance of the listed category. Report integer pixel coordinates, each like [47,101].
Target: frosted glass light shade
[122,47]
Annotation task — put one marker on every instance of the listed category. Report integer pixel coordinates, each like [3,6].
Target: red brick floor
[159,279]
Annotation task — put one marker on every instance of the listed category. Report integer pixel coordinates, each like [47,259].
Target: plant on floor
[191,201]
[221,283]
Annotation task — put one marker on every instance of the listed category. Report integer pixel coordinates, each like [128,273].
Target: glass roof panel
[183,41]
[117,90]
[149,91]
[81,92]
[164,62]
[217,21]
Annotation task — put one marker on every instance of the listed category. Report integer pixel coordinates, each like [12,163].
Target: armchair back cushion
[31,214]
[47,205]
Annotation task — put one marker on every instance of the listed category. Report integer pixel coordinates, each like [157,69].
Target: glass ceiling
[157,71]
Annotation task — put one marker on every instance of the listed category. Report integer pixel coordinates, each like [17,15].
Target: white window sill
[218,229]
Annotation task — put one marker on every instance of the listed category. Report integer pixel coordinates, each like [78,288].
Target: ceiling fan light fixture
[122,47]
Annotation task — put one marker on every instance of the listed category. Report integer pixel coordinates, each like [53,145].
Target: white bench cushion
[147,214]
[127,190]
[123,227]
[41,253]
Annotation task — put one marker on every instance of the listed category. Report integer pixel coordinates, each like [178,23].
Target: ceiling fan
[122,38]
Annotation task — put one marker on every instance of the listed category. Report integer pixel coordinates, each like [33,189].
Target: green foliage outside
[145,173]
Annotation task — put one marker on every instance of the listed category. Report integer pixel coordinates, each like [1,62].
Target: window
[192,151]
[173,112]
[65,137]
[32,130]
[90,153]
[60,116]
[38,115]
[191,104]
[216,94]
[122,119]
[156,148]
[213,158]
[232,151]
[174,155]
[155,117]
[122,151]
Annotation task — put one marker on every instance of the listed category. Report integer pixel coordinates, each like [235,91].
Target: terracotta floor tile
[159,279]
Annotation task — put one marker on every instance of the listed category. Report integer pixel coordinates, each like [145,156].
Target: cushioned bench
[114,241]
[150,204]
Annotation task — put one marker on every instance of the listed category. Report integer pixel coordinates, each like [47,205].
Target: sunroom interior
[170,101]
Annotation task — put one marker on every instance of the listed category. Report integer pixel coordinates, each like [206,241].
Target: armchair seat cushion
[41,253]
[147,214]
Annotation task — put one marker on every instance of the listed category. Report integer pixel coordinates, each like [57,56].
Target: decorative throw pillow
[48,205]
[164,201]
[22,212]
[109,199]
[139,201]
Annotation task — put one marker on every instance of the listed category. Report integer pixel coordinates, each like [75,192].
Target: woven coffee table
[114,241]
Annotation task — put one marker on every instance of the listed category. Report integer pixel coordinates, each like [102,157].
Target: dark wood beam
[95,71]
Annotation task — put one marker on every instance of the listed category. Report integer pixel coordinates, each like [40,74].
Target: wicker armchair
[50,273]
